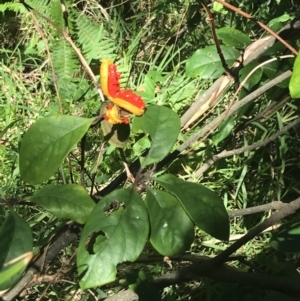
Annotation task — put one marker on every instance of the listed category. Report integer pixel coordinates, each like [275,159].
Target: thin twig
[262,25]
[207,128]
[272,220]
[215,38]
[244,149]
[85,65]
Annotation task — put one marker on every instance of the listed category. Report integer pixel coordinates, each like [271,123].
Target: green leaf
[275,24]
[270,69]
[287,240]
[150,81]
[116,231]
[15,243]
[47,143]
[253,79]
[203,206]
[114,134]
[13,271]
[217,7]
[233,37]
[163,125]
[225,130]
[206,62]
[66,201]
[294,84]
[172,231]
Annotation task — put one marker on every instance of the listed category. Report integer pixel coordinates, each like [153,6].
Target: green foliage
[206,62]
[47,143]
[202,205]
[233,37]
[169,66]
[15,7]
[67,202]
[168,237]
[163,125]
[287,240]
[110,238]
[64,61]
[294,84]
[15,243]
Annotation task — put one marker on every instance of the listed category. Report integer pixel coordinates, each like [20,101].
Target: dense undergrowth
[156,48]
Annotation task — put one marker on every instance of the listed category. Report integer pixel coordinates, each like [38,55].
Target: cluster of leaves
[117,228]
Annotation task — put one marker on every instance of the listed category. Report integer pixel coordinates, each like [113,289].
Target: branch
[251,53]
[291,208]
[214,268]
[206,129]
[228,274]
[262,25]
[225,154]
[277,205]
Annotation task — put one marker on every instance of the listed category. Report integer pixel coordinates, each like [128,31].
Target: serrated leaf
[287,240]
[202,205]
[233,37]
[66,201]
[46,144]
[114,134]
[112,237]
[206,62]
[172,231]
[294,85]
[15,245]
[64,60]
[163,125]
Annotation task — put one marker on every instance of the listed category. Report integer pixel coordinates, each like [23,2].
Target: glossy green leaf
[114,134]
[206,62]
[233,37]
[287,240]
[203,206]
[163,125]
[46,144]
[172,231]
[253,79]
[116,231]
[225,130]
[294,84]
[66,201]
[15,243]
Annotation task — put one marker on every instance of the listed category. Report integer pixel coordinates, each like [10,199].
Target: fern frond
[180,92]
[15,7]
[40,5]
[92,38]
[64,60]
[57,14]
